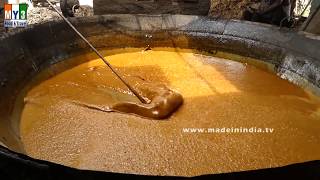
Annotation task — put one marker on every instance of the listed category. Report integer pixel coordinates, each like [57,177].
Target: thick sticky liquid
[218,93]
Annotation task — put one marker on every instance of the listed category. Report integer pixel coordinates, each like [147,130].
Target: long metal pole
[310,18]
[98,53]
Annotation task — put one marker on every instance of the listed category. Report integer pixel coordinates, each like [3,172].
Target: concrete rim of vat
[294,56]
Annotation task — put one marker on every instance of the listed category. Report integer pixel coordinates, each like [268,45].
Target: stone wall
[229,9]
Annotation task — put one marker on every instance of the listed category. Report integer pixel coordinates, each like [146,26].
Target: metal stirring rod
[101,57]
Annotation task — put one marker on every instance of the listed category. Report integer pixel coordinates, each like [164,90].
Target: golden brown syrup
[161,101]
[218,93]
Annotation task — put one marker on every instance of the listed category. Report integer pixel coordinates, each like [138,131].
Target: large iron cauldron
[24,54]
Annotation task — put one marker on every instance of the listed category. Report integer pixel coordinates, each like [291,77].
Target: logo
[15,15]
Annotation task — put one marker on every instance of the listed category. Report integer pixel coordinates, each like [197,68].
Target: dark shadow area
[193,7]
